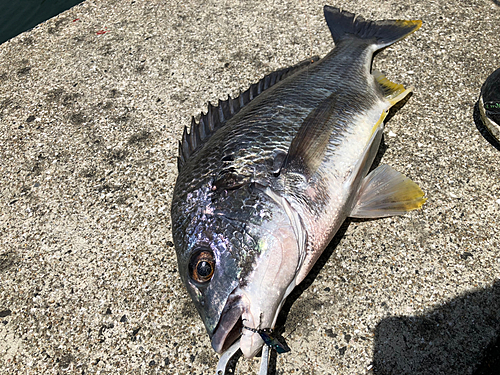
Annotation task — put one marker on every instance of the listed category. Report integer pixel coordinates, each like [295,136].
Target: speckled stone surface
[92,104]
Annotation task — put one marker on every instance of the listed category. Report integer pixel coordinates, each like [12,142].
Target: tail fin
[344,24]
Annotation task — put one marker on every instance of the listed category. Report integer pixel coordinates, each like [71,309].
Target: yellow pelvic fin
[393,92]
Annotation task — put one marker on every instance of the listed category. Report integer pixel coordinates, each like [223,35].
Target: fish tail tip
[344,24]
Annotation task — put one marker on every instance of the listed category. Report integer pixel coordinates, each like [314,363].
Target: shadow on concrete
[460,337]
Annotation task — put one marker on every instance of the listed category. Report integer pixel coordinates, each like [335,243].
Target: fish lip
[228,329]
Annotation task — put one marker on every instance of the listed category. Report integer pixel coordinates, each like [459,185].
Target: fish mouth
[237,322]
[230,324]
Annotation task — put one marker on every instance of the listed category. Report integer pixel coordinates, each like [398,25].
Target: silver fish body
[266,180]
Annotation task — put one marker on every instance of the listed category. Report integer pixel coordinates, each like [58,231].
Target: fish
[266,179]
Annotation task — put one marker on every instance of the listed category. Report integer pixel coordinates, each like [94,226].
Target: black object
[489,104]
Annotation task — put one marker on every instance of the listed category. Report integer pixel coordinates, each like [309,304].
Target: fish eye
[202,266]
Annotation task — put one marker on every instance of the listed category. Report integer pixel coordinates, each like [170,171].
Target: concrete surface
[92,104]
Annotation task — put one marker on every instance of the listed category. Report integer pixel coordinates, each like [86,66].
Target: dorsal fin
[218,115]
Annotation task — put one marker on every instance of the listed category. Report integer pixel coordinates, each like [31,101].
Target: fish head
[239,256]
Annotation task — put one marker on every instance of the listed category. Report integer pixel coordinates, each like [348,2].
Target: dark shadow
[459,337]
[491,362]
[497,2]
[396,107]
[482,129]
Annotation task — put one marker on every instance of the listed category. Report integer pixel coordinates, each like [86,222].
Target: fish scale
[266,179]
[260,124]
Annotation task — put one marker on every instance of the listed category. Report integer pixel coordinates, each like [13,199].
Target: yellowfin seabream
[266,179]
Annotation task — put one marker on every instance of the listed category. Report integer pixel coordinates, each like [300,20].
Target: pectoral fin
[386,192]
[309,145]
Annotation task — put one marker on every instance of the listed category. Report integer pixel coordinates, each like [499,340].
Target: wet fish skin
[261,192]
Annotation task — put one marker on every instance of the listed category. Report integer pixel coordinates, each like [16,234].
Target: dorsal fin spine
[185,143]
[181,155]
[202,130]
[217,116]
[221,112]
[226,110]
[209,115]
[261,85]
[194,135]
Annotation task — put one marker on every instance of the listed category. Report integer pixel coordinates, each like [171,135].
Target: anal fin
[393,92]
[387,192]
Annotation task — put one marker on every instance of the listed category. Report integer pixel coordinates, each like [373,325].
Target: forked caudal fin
[344,25]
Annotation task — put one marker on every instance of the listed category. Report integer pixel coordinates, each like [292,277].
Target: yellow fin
[386,192]
[380,121]
[393,92]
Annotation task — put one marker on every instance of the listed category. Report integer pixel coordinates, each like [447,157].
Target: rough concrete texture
[92,104]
